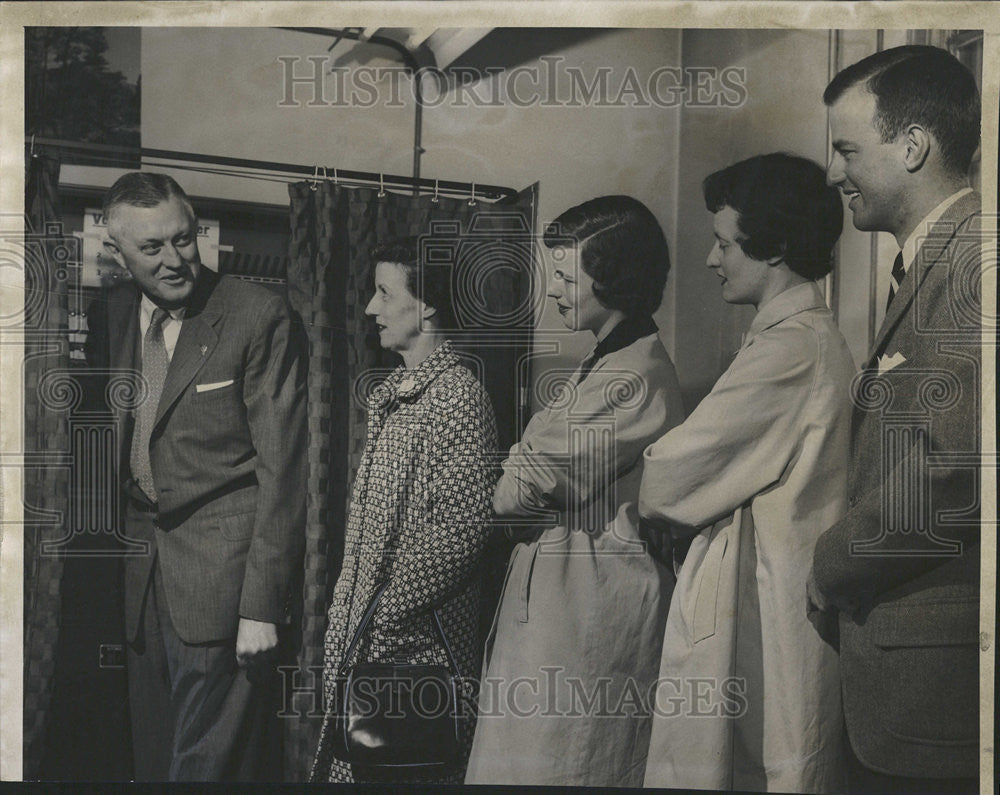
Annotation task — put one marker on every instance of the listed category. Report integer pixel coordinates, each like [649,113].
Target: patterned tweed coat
[418,518]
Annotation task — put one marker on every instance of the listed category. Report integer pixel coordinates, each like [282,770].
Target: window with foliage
[72,90]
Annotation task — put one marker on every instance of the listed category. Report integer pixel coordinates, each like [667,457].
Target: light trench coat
[749,694]
[576,639]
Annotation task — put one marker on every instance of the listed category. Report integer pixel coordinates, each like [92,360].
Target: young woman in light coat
[749,694]
[577,635]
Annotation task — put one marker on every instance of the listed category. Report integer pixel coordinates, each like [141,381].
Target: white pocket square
[887,363]
[210,387]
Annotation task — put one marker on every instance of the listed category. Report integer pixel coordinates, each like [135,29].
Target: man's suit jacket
[228,459]
[909,600]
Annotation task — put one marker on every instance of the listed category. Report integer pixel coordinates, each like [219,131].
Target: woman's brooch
[406,387]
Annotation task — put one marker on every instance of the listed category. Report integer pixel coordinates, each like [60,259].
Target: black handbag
[396,714]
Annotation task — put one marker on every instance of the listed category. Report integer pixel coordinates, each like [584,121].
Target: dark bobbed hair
[143,189]
[432,285]
[919,84]
[621,246]
[785,208]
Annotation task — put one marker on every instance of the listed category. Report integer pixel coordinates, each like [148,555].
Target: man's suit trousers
[196,716]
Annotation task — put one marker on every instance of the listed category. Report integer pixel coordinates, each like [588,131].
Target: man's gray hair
[143,189]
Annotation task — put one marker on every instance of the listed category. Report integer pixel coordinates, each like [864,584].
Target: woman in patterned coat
[577,635]
[419,507]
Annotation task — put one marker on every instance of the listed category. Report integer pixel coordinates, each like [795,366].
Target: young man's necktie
[898,274]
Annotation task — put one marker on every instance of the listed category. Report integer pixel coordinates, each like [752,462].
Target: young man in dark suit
[903,566]
[213,481]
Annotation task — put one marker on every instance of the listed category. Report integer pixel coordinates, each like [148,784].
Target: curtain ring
[381,186]
[472,200]
[336,179]
[315,177]
[325,177]
[434,198]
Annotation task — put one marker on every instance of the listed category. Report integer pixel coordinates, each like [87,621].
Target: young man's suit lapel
[933,244]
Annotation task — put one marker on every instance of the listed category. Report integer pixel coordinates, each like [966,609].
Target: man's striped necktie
[898,274]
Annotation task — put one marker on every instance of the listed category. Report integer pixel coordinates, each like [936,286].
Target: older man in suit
[213,482]
[903,565]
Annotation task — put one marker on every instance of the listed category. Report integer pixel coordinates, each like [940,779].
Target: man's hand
[821,613]
[816,599]
[255,640]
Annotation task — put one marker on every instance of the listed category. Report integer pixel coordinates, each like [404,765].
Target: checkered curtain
[46,434]
[329,284]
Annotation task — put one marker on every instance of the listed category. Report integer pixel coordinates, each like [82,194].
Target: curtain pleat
[333,230]
[46,431]
[314,275]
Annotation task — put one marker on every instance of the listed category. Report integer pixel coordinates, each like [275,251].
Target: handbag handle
[363,625]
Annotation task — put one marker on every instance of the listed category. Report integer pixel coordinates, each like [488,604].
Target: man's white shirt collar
[171,327]
[147,307]
[920,230]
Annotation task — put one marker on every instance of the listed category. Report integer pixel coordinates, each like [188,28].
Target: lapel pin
[204,349]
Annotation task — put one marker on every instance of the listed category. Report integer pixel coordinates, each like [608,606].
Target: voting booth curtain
[48,397]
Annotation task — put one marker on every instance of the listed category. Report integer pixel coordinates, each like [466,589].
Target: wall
[219,91]
[709,331]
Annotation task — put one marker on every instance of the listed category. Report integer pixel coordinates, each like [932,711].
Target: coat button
[853,501]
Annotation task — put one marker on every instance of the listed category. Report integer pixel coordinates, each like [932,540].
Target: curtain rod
[391,180]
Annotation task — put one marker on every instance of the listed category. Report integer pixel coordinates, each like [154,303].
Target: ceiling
[432,47]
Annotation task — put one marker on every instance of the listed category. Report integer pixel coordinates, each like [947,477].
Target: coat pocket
[524,587]
[944,622]
[503,591]
[221,389]
[706,603]
[237,527]
[928,659]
